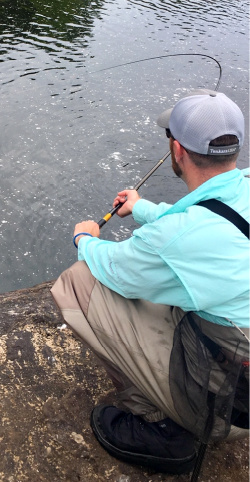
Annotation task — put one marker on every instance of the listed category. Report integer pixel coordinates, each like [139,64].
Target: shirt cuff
[82,244]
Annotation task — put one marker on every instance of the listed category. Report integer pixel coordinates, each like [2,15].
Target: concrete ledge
[49,384]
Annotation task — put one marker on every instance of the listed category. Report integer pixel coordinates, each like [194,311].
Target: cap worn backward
[163,119]
[202,116]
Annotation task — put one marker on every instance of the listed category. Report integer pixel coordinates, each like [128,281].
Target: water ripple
[71,136]
[208,11]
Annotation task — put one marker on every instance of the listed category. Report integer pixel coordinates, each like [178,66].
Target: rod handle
[109,215]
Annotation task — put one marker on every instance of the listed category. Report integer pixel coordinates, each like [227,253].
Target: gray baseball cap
[202,116]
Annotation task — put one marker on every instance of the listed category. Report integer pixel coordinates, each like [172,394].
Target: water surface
[74,131]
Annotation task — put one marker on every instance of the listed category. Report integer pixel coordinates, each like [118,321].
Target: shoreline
[49,384]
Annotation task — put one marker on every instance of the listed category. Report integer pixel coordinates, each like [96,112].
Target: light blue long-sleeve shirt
[182,255]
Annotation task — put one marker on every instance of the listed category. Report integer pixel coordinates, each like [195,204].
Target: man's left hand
[86,227]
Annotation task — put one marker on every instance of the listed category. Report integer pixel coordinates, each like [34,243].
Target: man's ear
[178,151]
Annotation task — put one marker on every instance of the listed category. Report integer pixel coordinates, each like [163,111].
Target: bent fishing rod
[107,216]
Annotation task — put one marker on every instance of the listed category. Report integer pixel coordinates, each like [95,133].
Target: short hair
[204,160]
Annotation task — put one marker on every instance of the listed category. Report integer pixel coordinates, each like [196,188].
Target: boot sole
[164,465]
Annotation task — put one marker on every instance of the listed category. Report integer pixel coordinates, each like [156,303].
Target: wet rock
[49,384]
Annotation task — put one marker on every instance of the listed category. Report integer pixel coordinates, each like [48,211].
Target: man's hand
[86,227]
[128,197]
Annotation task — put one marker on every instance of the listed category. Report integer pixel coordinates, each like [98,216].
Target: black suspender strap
[230,214]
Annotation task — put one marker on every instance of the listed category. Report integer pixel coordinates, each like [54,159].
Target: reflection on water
[72,134]
[61,30]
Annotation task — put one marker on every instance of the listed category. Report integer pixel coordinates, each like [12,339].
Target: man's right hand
[128,197]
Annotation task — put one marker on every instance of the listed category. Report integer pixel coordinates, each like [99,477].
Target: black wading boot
[163,446]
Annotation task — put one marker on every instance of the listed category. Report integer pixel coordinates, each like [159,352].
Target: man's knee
[79,272]
[73,288]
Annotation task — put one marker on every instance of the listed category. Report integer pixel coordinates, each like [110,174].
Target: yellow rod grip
[107,217]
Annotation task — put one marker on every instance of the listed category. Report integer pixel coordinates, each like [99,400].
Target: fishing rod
[166,56]
[109,215]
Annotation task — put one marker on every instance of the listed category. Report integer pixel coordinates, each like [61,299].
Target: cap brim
[163,119]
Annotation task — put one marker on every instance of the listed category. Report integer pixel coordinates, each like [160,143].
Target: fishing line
[165,56]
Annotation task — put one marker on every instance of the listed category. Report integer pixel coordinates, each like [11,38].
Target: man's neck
[196,176]
[189,172]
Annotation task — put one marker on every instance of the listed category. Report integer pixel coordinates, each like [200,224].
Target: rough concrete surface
[49,384]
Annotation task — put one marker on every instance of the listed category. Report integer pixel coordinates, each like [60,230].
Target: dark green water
[73,134]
